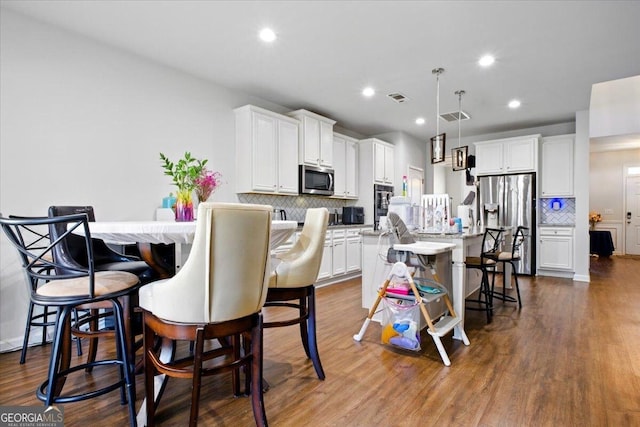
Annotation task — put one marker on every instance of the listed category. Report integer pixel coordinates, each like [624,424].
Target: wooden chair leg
[197,377]
[235,374]
[93,342]
[304,332]
[246,346]
[257,398]
[76,316]
[312,342]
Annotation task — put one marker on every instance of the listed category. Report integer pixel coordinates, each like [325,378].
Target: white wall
[581,190]
[83,123]
[615,108]
[606,182]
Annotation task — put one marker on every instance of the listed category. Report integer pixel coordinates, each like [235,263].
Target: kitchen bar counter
[423,235]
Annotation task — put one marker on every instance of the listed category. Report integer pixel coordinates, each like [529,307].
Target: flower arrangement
[594,218]
[207,183]
[185,172]
[190,174]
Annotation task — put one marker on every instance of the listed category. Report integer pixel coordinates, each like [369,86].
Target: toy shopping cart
[420,256]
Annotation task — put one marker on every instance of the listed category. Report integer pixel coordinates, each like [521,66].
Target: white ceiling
[548,54]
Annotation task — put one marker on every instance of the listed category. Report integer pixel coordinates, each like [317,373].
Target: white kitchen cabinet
[555,248]
[338,253]
[556,168]
[354,250]
[370,165]
[376,162]
[383,163]
[266,152]
[511,155]
[325,265]
[316,138]
[345,165]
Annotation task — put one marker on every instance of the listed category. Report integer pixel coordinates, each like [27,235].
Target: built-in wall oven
[382,195]
[316,180]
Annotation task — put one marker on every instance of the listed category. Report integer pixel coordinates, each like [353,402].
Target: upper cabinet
[377,156]
[345,165]
[266,152]
[511,155]
[316,138]
[556,172]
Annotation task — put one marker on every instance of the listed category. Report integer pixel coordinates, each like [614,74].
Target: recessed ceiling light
[486,60]
[514,103]
[420,121]
[267,35]
[368,92]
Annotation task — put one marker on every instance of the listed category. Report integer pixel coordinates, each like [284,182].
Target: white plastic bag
[401,323]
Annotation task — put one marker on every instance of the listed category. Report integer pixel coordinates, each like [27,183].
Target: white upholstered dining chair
[294,279]
[217,294]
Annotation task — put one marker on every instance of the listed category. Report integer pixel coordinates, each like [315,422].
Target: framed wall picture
[459,158]
[437,148]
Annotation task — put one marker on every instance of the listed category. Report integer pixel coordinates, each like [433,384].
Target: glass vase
[184,207]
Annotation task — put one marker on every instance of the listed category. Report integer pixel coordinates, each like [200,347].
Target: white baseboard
[338,279]
[555,273]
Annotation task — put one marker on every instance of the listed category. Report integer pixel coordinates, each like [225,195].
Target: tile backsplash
[295,206]
[558,211]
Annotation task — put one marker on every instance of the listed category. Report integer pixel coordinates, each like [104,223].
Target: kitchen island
[451,268]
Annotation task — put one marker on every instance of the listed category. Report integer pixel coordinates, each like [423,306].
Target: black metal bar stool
[491,242]
[67,288]
[512,257]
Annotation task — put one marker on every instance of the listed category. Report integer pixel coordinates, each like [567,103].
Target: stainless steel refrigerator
[509,201]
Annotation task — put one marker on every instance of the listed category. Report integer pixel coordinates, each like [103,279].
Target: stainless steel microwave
[316,180]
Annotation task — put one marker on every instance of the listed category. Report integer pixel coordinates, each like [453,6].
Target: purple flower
[207,183]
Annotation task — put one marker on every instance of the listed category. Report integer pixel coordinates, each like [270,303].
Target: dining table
[147,234]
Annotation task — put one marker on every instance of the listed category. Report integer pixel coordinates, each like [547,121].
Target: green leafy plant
[185,172]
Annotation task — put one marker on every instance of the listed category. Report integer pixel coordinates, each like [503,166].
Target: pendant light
[437,142]
[459,155]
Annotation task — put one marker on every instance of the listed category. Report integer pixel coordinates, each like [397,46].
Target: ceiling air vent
[453,116]
[398,97]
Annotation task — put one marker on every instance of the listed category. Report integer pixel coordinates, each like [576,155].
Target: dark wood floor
[570,357]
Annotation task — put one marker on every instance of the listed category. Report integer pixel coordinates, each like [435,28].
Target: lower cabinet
[342,255]
[326,265]
[338,253]
[555,248]
[354,250]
